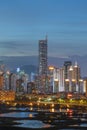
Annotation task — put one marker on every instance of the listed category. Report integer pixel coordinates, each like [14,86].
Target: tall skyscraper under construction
[43,66]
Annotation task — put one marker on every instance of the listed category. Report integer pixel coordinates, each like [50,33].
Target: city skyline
[23,23]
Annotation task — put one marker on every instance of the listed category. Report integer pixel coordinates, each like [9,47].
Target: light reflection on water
[18,114]
[85,124]
[31,108]
[36,123]
[30,115]
[32,124]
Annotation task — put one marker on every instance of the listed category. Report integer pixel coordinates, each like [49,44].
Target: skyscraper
[67,65]
[43,67]
[77,76]
[43,57]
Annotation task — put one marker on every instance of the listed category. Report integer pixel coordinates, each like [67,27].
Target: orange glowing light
[51,68]
[67,80]
[31,104]
[52,105]
[69,95]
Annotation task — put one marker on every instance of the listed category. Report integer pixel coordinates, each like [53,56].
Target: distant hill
[29,68]
[30,63]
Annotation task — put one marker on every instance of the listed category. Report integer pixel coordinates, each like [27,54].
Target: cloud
[20,48]
[8,45]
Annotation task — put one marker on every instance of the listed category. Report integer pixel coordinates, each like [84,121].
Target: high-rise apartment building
[73,81]
[56,76]
[77,76]
[61,79]
[85,87]
[53,79]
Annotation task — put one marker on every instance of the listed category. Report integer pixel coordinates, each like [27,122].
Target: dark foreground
[51,128]
[57,120]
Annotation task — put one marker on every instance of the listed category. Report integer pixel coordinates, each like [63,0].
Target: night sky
[24,22]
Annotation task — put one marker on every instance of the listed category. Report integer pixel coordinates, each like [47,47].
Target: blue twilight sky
[24,22]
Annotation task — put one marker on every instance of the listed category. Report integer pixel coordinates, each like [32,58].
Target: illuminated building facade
[73,81]
[77,76]
[56,80]
[56,76]
[71,78]
[1,82]
[85,87]
[51,79]
[61,79]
